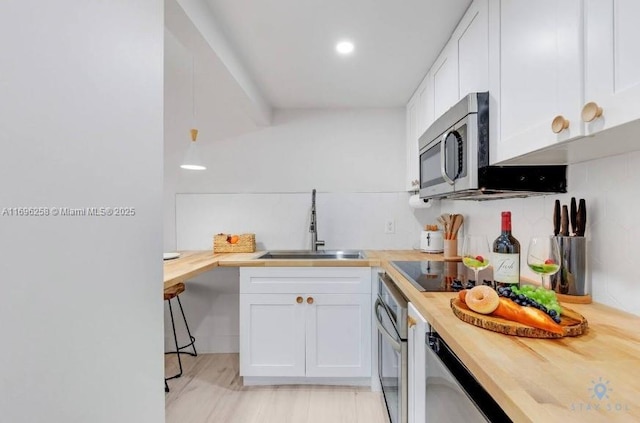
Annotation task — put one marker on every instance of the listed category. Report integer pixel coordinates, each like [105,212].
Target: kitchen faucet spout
[313,225]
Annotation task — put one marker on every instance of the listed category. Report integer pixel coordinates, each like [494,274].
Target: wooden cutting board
[574,323]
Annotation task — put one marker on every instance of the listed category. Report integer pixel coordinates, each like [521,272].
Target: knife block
[572,279]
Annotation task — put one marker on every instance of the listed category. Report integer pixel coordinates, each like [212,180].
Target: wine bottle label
[506,268]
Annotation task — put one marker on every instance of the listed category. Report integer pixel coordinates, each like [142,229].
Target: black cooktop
[440,276]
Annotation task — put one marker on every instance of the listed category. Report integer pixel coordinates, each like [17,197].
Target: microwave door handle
[394,344]
[443,158]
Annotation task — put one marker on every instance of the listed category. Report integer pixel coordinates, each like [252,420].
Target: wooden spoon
[445,228]
[457,222]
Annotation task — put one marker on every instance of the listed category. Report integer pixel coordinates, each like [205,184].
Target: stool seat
[173,291]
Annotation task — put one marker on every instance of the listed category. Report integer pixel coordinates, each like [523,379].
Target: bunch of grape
[528,296]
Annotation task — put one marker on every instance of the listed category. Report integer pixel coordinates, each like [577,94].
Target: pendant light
[192,160]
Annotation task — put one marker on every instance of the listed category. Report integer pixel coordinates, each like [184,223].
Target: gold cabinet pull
[310,300]
[299,300]
[559,124]
[411,322]
[591,111]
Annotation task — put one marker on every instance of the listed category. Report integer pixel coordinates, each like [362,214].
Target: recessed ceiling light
[344,47]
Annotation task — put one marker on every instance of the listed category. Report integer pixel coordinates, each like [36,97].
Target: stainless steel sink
[313,255]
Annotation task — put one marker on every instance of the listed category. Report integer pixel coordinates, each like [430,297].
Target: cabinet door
[417,373]
[472,40]
[339,335]
[424,97]
[540,68]
[272,335]
[612,61]
[444,79]
[412,145]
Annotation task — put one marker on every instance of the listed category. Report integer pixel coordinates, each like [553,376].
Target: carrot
[529,316]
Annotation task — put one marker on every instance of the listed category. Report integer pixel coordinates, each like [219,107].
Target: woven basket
[246,243]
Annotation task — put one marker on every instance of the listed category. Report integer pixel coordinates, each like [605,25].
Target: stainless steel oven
[390,310]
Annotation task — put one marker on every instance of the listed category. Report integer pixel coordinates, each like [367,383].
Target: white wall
[260,180]
[610,188]
[349,156]
[81,126]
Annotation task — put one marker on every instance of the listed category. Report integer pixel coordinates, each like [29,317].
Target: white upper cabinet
[424,97]
[412,183]
[419,117]
[461,68]
[536,68]
[472,41]
[612,63]
[444,76]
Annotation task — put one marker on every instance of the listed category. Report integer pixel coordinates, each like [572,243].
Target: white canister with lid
[431,241]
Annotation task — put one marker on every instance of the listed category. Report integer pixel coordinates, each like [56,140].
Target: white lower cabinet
[417,372]
[305,333]
[272,335]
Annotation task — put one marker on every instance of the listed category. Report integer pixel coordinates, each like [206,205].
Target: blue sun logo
[600,389]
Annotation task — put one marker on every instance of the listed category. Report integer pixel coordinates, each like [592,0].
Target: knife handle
[573,216]
[564,222]
[556,218]
[581,218]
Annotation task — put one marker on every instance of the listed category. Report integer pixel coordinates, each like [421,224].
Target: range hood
[500,182]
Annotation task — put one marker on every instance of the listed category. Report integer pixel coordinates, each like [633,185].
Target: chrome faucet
[313,226]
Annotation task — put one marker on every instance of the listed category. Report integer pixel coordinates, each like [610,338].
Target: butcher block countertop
[591,378]
[192,263]
[546,380]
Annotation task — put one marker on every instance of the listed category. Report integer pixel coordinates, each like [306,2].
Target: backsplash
[610,188]
[281,220]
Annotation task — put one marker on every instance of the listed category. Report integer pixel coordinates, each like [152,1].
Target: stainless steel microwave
[454,160]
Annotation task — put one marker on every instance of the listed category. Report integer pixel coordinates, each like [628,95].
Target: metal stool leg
[191,338]
[175,339]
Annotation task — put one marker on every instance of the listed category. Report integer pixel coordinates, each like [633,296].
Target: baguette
[529,316]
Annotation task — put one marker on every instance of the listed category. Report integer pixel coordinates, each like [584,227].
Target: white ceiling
[288,47]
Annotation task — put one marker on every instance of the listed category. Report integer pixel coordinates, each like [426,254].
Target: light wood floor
[210,391]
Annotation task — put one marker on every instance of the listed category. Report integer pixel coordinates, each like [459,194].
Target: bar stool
[169,294]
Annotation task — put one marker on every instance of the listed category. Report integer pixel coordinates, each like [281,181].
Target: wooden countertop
[192,263]
[533,380]
[546,380]
[188,265]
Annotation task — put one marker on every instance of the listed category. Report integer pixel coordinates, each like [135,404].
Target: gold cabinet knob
[411,322]
[299,300]
[559,124]
[310,300]
[591,111]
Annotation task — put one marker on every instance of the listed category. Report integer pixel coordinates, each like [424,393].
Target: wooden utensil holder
[450,249]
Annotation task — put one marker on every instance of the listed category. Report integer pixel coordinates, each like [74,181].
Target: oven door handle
[397,346]
[443,158]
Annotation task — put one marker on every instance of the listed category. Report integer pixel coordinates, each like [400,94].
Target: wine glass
[475,253]
[543,257]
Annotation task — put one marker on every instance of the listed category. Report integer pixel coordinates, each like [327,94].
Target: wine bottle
[506,255]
